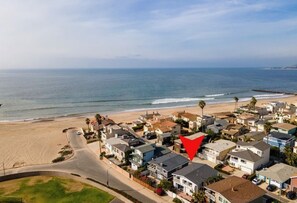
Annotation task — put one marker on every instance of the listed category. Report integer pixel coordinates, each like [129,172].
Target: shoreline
[159,109]
[38,142]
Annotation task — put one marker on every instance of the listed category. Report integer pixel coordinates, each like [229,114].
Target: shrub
[176,200]
[159,191]
[58,159]
[64,153]
[165,184]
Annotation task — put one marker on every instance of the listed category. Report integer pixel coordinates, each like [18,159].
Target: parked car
[291,195]
[256,181]
[245,176]
[271,188]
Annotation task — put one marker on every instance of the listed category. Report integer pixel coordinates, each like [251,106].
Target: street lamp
[107,175]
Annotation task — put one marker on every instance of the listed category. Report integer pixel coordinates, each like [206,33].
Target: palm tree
[253,103]
[98,118]
[202,104]
[88,123]
[236,102]
[267,128]
[99,121]
[199,197]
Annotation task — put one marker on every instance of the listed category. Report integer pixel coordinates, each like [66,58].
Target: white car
[256,181]
[78,133]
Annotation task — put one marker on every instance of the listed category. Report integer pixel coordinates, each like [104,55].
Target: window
[220,199]
[243,161]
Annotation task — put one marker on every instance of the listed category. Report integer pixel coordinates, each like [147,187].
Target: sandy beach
[27,143]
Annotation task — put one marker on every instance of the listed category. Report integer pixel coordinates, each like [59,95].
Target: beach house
[163,167]
[293,182]
[249,156]
[178,145]
[251,136]
[247,119]
[275,106]
[279,140]
[218,125]
[232,131]
[141,155]
[278,175]
[192,177]
[284,128]
[217,151]
[234,189]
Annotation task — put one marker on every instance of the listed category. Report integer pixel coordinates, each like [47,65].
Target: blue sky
[147,33]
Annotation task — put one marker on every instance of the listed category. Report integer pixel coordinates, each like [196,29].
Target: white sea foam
[214,95]
[267,96]
[177,100]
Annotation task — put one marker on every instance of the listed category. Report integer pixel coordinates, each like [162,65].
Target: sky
[147,33]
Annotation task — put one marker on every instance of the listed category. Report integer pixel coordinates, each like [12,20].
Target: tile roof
[237,190]
[197,173]
[170,161]
[279,172]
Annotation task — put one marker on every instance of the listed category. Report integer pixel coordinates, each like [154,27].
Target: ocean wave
[177,100]
[264,96]
[214,95]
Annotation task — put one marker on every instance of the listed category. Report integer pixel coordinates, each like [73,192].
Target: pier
[275,92]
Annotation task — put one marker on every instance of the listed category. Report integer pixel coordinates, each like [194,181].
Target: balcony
[210,195]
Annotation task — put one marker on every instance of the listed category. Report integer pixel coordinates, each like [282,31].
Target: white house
[249,156]
[192,177]
[217,151]
[142,155]
[275,106]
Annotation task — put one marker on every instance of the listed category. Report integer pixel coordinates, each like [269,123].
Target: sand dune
[27,143]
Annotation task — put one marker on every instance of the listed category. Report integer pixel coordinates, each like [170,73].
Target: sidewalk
[116,174]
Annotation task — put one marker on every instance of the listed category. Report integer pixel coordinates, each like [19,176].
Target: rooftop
[192,137]
[285,126]
[245,154]
[197,173]
[146,148]
[170,161]
[257,144]
[122,147]
[237,190]
[281,136]
[220,145]
[279,172]
[253,135]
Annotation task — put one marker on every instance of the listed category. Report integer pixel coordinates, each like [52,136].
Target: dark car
[271,188]
[291,195]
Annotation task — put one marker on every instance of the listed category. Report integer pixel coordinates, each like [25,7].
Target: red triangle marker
[191,146]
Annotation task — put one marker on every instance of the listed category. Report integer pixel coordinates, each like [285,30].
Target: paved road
[86,164]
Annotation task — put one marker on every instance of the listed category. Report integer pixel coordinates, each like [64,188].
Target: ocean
[34,94]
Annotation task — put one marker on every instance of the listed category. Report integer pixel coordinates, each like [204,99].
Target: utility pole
[107,178]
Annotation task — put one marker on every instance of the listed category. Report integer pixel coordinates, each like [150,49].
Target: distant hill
[293,67]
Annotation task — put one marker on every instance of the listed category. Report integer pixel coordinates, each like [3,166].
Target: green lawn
[44,189]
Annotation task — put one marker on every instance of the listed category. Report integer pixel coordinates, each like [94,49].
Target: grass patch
[44,189]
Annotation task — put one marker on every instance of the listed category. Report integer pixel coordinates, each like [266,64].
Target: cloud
[109,33]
